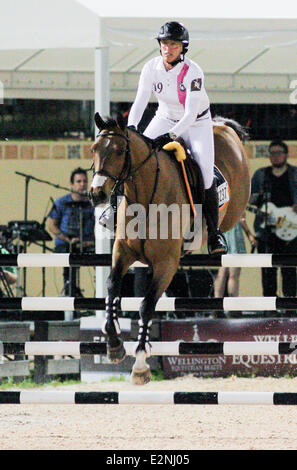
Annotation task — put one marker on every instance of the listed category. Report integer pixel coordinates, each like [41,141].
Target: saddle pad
[222,187]
[191,169]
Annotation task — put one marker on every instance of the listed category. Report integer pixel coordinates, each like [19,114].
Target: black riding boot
[216,241]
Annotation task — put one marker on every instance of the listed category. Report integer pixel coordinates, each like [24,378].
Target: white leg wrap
[112,313]
[148,348]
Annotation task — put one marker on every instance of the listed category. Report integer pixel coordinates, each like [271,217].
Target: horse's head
[111,158]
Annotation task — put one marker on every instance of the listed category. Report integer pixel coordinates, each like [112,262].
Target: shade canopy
[47,48]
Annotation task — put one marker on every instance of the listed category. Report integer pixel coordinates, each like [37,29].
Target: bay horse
[124,156]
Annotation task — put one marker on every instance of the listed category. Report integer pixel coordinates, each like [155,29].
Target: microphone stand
[27,181]
[44,247]
[17,235]
[80,242]
[41,181]
[5,283]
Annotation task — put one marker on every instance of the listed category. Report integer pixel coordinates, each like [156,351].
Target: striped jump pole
[147,398]
[158,348]
[26,260]
[165,304]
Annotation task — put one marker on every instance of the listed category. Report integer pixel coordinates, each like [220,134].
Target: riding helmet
[174,31]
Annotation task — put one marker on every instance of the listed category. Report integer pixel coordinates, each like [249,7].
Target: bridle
[127,162]
[127,172]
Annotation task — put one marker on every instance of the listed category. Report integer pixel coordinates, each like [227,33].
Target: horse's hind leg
[162,276]
[111,328]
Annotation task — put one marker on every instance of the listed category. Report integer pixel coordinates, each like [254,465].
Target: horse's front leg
[111,327]
[163,273]
[141,373]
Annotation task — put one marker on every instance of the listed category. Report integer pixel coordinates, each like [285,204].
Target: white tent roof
[248,54]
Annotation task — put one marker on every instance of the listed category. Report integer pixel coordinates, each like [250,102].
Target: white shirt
[180,93]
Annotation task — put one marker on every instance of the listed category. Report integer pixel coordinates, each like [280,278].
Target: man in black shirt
[274,192]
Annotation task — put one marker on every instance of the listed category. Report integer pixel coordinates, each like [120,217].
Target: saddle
[192,177]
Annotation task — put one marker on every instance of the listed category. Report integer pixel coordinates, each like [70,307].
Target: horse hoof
[116,354]
[141,377]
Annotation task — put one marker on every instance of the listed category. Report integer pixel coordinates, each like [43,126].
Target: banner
[229,330]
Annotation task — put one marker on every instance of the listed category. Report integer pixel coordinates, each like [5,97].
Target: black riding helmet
[175,32]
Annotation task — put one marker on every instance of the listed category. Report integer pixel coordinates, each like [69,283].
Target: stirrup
[217,244]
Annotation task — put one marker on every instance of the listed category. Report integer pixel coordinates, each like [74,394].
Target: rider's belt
[202,114]
[198,115]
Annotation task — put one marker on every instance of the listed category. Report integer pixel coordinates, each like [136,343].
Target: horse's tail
[240,130]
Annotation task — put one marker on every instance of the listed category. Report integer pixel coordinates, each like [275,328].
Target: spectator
[227,279]
[274,193]
[72,222]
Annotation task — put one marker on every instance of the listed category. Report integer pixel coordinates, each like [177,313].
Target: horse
[122,156]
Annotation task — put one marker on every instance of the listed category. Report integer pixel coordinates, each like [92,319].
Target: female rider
[183,111]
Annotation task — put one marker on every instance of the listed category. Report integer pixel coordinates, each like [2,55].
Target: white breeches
[199,139]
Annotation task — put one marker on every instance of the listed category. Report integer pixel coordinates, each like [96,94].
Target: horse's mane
[240,130]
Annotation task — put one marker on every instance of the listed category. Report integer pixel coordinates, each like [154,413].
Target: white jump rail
[26,260]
